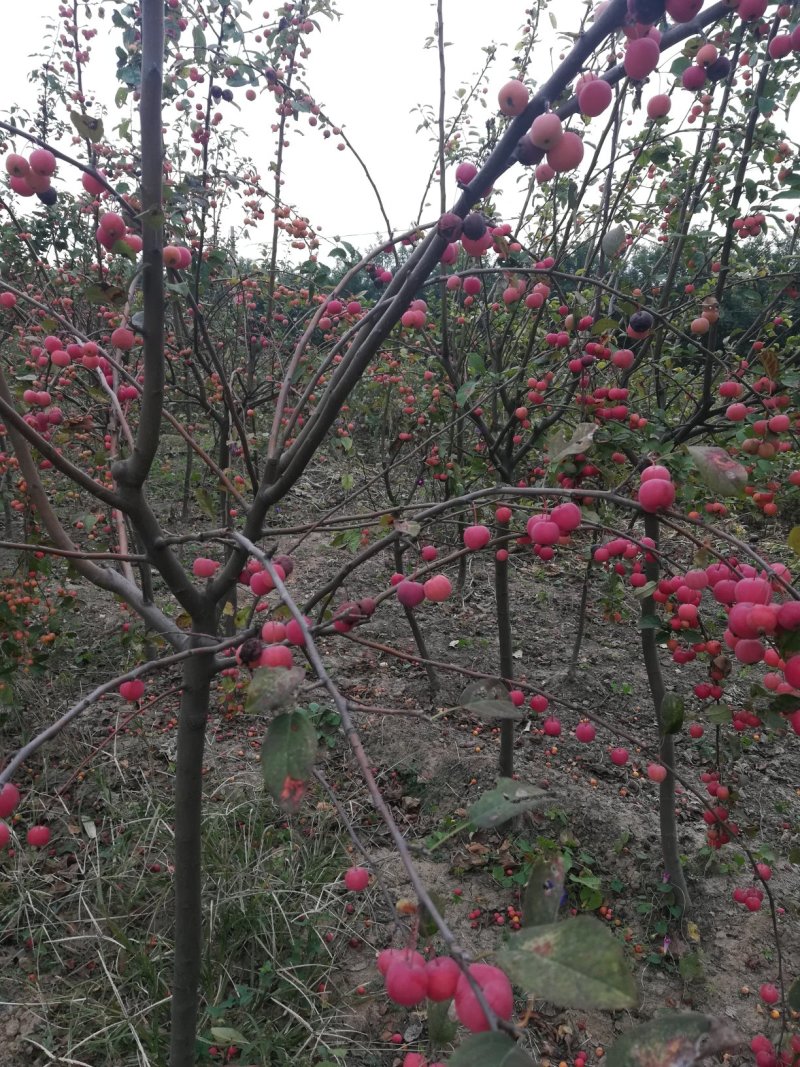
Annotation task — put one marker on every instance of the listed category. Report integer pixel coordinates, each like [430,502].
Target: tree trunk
[666,791]
[188,861]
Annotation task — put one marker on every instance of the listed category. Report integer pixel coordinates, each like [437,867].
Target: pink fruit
[273,632]
[789,615]
[656,772]
[791,672]
[768,993]
[619,756]
[566,516]
[585,732]
[9,799]
[539,703]
[543,173]
[780,46]
[171,256]
[683,10]
[42,162]
[465,172]
[261,581]
[407,983]
[543,531]
[38,836]
[658,107]
[750,10]
[696,730]
[623,358]
[356,879]
[276,656]
[20,186]
[414,1059]
[641,57]
[546,131]
[443,976]
[655,495]
[5,835]
[410,594]
[693,78]
[552,727]
[429,553]
[122,339]
[513,98]
[388,956]
[595,97]
[294,632]
[655,472]
[472,285]
[438,588]
[496,990]
[112,225]
[91,184]
[567,153]
[477,537]
[204,568]
[132,690]
[17,166]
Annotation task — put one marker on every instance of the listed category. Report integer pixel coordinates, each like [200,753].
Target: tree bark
[188,860]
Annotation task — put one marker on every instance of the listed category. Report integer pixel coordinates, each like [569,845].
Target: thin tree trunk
[666,791]
[506,658]
[188,860]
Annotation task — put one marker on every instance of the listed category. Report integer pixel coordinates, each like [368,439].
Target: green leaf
[577,963]
[675,1040]
[507,799]
[793,996]
[203,498]
[794,856]
[642,592]
[272,688]
[718,714]
[494,709]
[581,441]
[199,42]
[671,713]
[475,364]
[785,702]
[793,540]
[690,967]
[122,248]
[104,293]
[465,392]
[491,1049]
[441,1028]
[226,1035]
[288,752]
[723,475]
[603,326]
[542,897]
[89,128]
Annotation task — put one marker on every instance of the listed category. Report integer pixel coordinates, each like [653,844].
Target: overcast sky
[369,70]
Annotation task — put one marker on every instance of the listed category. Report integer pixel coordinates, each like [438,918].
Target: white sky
[368,70]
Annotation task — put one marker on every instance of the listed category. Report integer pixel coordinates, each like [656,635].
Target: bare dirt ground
[711,959]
